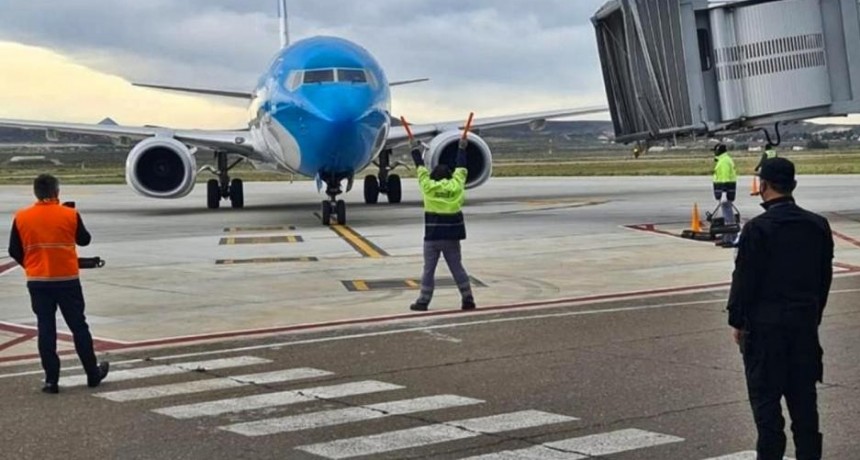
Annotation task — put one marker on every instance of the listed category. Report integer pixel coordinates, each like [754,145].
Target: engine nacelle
[479,158]
[161,168]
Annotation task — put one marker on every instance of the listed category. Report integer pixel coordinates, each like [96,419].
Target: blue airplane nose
[341,103]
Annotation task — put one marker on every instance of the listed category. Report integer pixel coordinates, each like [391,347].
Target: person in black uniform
[780,285]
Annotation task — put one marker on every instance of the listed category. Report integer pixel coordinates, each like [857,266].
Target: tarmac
[598,328]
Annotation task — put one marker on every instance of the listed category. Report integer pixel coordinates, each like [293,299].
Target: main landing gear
[384,183]
[332,206]
[223,187]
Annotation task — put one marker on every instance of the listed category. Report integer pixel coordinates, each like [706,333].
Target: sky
[73,60]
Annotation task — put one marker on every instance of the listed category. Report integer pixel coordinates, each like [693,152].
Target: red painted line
[16,341]
[846,238]
[406,316]
[651,228]
[9,359]
[106,345]
[7,266]
[100,344]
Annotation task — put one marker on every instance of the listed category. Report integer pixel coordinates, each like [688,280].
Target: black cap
[720,149]
[778,171]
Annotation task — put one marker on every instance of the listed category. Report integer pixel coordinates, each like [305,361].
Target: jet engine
[479,158]
[161,168]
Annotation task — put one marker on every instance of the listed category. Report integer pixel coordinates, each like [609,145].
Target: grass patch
[595,164]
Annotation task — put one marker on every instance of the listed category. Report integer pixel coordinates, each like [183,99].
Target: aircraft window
[294,80]
[351,75]
[319,76]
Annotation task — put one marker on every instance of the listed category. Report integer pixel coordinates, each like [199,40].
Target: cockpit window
[319,76]
[294,80]
[351,76]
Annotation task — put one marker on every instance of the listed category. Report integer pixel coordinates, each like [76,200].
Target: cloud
[45,85]
[493,56]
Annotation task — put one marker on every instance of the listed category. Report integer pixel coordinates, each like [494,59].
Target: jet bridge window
[351,75]
[319,76]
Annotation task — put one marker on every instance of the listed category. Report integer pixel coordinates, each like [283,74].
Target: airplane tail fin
[285,23]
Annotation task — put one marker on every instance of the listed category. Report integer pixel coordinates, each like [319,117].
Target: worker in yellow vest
[769,152]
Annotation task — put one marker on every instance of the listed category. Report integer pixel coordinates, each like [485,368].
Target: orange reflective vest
[47,231]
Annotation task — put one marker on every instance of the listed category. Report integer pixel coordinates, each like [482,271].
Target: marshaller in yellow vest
[725,174]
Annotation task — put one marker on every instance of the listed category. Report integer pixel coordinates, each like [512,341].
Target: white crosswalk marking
[348,415]
[587,446]
[212,384]
[171,369]
[432,434]
[747,455]
[283,398]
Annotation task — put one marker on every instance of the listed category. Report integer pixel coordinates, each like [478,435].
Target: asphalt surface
[664,365]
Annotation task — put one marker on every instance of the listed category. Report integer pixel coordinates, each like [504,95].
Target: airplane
[322,109]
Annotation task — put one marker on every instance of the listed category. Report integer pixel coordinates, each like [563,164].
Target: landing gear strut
[223,187]
[385,183]
[333,206]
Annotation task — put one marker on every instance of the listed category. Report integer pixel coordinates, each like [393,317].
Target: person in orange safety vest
[43,241]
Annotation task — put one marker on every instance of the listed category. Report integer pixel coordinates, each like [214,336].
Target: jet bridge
[698,68]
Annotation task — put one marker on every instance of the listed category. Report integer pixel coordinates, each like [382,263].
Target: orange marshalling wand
[468,125]
[408,130]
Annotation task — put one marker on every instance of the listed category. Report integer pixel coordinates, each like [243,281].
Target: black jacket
[784,267]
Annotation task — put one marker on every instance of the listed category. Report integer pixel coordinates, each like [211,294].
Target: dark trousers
[45,301]
[729,188]
[451,250]
[784,361]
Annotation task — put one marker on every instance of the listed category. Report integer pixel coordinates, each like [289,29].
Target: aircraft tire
[325,213]
[237,193]
[213,194]
[371,189]
[341,212]
[395,191]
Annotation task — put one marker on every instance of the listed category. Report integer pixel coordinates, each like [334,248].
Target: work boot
[468,304]
[419,306]
[102,372]
[51,388]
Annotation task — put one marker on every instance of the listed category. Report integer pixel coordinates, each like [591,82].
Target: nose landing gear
[333,207]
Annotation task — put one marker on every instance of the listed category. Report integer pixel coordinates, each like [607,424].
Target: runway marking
[652,228]
[433,434]
[7,266]
[846,238]
[169,369]
[361,244]
[200,386]
[550,205]
[401,284]
[17,341]
[348,415]
[747,455]
[236,240]
[269,400]
[597,445]
[259,229]
[265,260]
[568,302]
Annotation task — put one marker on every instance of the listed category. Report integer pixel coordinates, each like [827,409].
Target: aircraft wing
[232,141]
[398,136]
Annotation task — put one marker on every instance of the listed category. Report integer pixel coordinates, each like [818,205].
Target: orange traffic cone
[755,188]
[695,224]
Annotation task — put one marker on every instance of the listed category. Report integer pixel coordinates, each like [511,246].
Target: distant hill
[556,136]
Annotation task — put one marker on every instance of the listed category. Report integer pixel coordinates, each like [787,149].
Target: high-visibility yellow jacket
[443,204]
[724,170]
